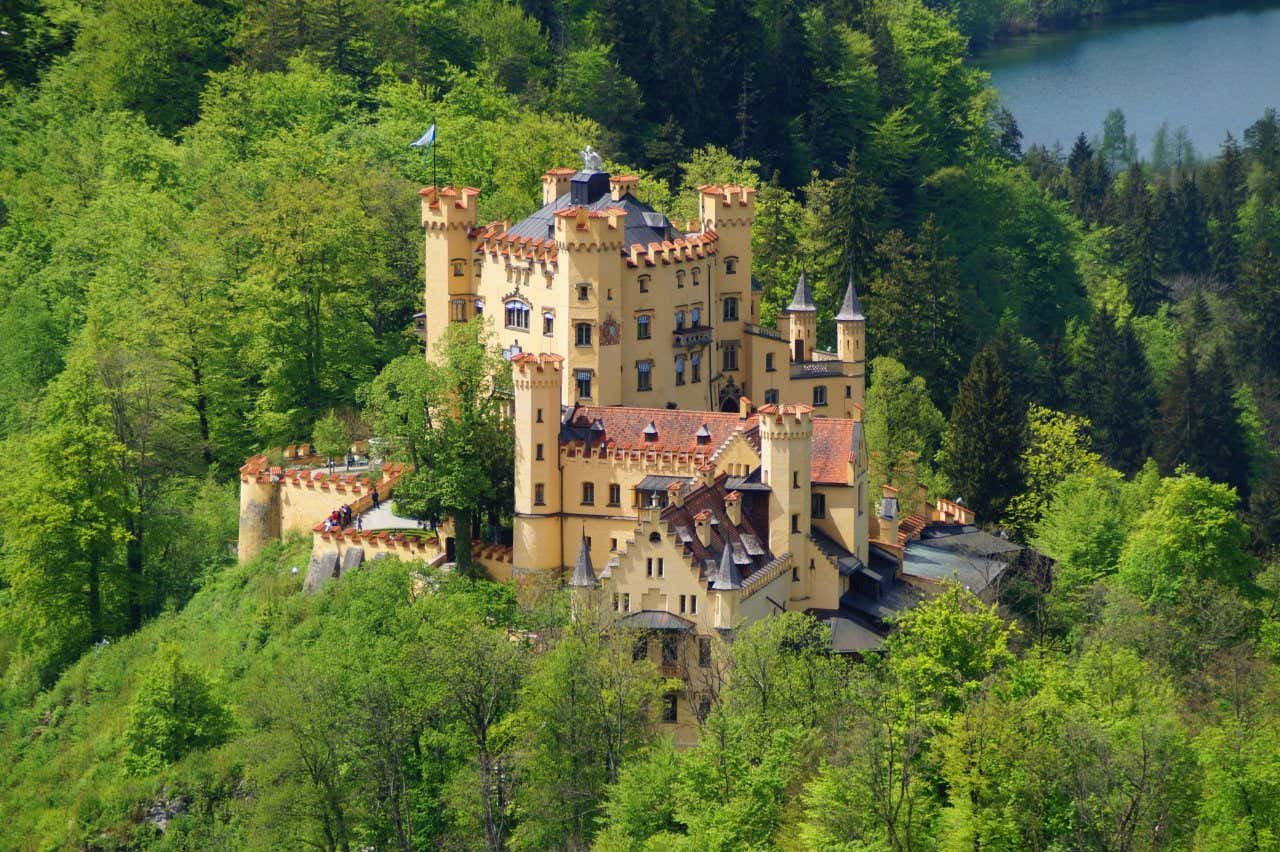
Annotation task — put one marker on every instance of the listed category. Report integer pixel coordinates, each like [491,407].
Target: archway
[729,403]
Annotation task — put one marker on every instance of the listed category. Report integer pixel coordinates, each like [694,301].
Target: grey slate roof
[584,575]
[851,309]
[644,224]
[653,619]
[728,578]
[802,299]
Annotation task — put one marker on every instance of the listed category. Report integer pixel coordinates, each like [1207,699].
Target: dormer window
[703,435]
[517,315]
[651,431]
[730,266]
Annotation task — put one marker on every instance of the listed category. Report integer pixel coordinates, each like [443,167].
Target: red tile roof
[833,438]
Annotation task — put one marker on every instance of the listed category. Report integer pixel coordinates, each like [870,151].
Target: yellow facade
[645,314]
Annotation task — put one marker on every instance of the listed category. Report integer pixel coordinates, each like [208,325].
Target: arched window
[680,279]
[517,315]
[695,275]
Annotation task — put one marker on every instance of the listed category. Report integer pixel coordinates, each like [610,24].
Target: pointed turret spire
[803,298]
[584,576]
[728,578]
[851,310]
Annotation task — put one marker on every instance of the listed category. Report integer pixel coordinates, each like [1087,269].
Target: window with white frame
[644,327]
[517,315]
[644,375]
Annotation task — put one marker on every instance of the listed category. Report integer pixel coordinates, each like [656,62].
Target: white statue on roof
[591,161]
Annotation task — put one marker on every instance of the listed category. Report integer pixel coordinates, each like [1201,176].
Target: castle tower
[589,244]
[786,437]
[448,215]
[259,514]
[851,341]
[802,315]
[537,380]
[555,183]
[730,211]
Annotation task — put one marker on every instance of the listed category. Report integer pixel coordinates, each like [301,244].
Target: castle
[646,314]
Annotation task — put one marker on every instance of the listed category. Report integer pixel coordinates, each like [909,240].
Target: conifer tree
[1200,422]
[1224,203]
[984,441]
[1137,244]
[1112,386]
[1192,250]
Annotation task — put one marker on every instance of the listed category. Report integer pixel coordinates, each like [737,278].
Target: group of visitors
[340,518]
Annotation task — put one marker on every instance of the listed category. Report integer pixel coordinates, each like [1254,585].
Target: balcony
[761,331]
[816,369]
[697,335]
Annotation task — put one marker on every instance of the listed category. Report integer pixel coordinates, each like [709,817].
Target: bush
[173,713]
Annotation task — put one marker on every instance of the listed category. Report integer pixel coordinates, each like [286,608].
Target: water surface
[1211,67]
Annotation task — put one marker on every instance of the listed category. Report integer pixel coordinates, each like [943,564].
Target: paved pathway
[382,518]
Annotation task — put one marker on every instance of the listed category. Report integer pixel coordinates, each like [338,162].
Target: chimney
[675,491]
[744,408]
[621,185]
[733,505]
[555,183]
[702,524]
[889,515]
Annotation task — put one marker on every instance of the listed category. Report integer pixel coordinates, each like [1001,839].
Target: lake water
[1210,67]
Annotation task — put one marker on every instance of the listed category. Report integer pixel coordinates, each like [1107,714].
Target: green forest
[209,246]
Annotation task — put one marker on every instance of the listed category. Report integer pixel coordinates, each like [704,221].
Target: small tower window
[820,395]
[539,494]
[582,334]
[459,268]
[818,505]
[768,362]
[680,275]
[731,266]
[795,523]
[730,309]
[848,391]
[643,281]
[771,396]
[584,292]
[588,493]
[548,323]
[458,310]
[644,324]
[695,275]
[538,454]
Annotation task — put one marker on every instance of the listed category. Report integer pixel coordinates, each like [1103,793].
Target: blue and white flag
[427,140]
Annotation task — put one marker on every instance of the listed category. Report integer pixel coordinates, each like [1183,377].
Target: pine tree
[1112,386]
[1259,299]
[1137,244]
[1200,422]
[1192,250]
[984,441]
[1224,203]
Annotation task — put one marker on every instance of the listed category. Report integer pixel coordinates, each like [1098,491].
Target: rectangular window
[459,268]
[679,279]
[644,327]
[648,567]
[458,310]
[679,369]
[695,368]
[695,317]
[768,363]
[730,265]
[670,650]
[644,375]
[582,334]
[818,505]
[613,545]
[704,651]
[679,320]
[615,601]
[820,395]
[615,494]
[693,604]
[848,391]
[795,523]
[548,324]
[730,309]
[588,493]
[584,292]
[659,566]
[517,316]
[669,714]
[539,494]
[644,283]
[682,604]
[771,396]
[626,602]
[584,384]
[730,356]
[538,453]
